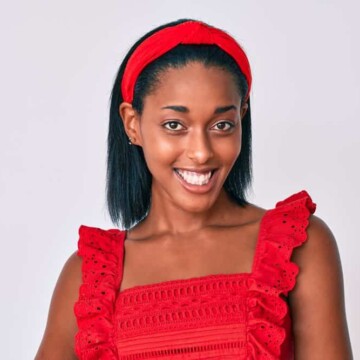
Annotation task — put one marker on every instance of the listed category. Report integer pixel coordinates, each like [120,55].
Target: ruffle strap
[285,229]
[101,251]
[274,275]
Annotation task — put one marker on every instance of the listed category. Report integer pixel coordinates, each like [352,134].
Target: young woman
[198,272]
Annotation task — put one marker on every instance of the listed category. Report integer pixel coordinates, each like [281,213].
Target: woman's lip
[199,171]
[198,189]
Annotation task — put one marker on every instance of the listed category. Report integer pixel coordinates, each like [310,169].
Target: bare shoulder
[318,296]
[320,246]
[58,339]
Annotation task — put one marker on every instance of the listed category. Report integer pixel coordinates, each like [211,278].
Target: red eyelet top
[218,316]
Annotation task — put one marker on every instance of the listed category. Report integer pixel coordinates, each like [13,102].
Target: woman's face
[190,132]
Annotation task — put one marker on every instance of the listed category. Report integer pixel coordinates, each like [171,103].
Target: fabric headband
[189,32]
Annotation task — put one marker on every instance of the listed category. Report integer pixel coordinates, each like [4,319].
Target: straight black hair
[128,179]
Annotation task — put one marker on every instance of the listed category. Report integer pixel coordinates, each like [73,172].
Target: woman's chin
[195,204]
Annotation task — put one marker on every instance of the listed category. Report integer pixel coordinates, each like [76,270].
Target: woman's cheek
[228,151]
[159,150]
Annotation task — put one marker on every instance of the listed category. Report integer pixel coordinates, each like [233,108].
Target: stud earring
[130,140]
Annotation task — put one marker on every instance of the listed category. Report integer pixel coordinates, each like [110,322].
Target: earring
[130,140]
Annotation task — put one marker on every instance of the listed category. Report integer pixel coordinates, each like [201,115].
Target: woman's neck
[166,217]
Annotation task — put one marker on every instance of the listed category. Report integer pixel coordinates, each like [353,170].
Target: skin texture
[196,234]
[317,301]
[58,339]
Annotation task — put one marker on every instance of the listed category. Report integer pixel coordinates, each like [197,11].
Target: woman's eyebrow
[184,109]
[222,109]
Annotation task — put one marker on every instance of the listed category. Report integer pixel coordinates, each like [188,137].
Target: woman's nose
[199,148]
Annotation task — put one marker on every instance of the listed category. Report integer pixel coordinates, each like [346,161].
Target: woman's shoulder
[61,327]
[320,250]
[318,297]
[319,241]
[295,210]
[294,217]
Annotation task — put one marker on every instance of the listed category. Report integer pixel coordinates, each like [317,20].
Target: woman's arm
[317,301]
[61,327]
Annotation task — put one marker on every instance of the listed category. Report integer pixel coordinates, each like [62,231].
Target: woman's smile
[196,181]
[194,177]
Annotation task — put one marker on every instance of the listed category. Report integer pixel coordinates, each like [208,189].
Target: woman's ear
[131,121]
[243,110]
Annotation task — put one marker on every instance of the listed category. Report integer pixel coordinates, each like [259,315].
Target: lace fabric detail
[227,316]
[210,300]
[183,319]
[101,253]
[274,275]
[285,229]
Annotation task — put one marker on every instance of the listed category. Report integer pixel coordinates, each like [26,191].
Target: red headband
[189,32]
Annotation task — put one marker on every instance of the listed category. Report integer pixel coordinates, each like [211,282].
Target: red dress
[218,316]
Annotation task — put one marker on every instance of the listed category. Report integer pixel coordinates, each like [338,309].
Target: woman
[198,272]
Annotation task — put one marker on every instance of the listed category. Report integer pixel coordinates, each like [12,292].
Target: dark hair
[128,181]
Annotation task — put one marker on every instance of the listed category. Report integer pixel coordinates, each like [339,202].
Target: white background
[58,62]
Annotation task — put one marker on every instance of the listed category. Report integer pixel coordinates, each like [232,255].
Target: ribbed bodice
[205,315]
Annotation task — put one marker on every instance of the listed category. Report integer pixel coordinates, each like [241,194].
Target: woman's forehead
[195,82]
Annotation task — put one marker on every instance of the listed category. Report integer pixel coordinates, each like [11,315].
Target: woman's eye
[173,125]
[224,125]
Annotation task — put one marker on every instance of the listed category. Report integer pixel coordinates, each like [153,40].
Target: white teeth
[194,178]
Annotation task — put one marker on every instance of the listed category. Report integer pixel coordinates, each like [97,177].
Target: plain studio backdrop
[58,63]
